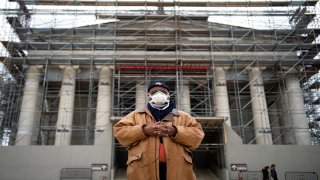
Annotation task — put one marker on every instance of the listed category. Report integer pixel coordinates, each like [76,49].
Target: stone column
[259,107]
[275,118]
[66,106]
[141,95]
[185,97]
[297,111]
[28,106]
[102,132]
[287,136]
[221,98]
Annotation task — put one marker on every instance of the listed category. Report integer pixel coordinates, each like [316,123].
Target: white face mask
[159,100]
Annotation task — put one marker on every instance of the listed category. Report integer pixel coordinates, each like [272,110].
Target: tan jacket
[143,151]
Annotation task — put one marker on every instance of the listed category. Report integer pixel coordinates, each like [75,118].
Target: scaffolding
[180,42]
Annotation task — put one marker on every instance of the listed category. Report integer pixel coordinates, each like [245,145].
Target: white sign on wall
[99,167]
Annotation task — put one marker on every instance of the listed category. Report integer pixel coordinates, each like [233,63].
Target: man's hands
[158,129]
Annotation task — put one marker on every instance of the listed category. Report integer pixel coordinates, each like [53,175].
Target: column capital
[76,67]
[223,67]
[34,69]
[100,67]
[65,66]
[39,66]
[104,72]
[259,67]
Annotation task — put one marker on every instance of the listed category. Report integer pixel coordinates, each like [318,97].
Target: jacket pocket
[134,172]
[188,158]
[133,157]
[141,159]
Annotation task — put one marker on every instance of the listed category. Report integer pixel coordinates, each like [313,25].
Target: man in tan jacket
[159,138]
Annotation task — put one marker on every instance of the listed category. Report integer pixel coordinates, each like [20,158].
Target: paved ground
[202,174]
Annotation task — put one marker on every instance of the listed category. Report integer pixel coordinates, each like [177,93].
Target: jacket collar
[168,117]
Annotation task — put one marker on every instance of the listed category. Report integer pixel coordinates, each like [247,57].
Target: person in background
[159,138]
[273,172]
[265,173]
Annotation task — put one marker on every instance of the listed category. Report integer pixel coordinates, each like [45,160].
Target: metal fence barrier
[250,175]
[301,176]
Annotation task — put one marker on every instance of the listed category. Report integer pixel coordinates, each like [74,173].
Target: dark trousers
[163,171]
